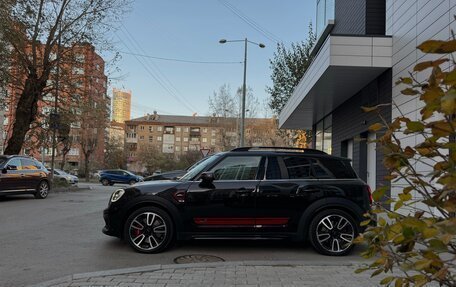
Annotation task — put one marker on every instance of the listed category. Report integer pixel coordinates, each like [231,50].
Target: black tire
[143,240]
[42,190]
[105,182]
[332,232]
[132,182]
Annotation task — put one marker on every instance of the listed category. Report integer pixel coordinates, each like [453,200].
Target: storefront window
[323,135]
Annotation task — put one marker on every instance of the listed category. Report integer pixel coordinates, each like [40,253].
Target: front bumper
[109,228]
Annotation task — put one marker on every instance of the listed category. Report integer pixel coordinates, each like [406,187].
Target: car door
[32,173]
[284,193]
[228,203]
[11,177]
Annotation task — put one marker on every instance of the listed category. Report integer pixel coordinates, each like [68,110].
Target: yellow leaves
[415,126]
[428,64]
[441,128]
[369,109]
[448,103]
[431,94]
[429,232]
[379,193]
[382,222]
[376,127]
[410,92]
[438,47]
[405,196]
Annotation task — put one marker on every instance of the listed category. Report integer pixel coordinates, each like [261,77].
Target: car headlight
[117,195]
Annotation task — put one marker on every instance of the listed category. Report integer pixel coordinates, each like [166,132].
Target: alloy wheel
[147,231]
[335,233]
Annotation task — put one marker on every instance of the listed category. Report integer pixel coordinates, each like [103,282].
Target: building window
[323,135]
[141,128]
[194,139]
[213,132]
[151,129]
[159,129]
[185,148]
[185,139]
[325,12]
[159,139]
[151,138]
[178,129]
[178,139]
[204,140]
[177,148]
[212,141]
[186,130]
[141,138]
[204,130]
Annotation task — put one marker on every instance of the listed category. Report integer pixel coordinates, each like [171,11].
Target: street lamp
[244,87]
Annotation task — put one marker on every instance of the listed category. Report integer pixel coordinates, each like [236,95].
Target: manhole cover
[197,258]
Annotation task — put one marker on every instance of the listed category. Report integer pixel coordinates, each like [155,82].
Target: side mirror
[207,177]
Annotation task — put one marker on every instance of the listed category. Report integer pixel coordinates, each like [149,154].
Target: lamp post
[244,87]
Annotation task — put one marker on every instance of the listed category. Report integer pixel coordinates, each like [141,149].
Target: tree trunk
[26,111]
[86,167]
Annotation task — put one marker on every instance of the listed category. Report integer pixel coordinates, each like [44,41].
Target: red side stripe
[241,221]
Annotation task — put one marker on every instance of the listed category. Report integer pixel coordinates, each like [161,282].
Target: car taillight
[369,191]
[179,196]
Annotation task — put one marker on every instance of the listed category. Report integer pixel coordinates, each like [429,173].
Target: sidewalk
[245,273]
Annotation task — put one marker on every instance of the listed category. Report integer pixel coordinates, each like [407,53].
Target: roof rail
[256,148]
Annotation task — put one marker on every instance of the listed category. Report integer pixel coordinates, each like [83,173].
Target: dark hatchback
[23,175]
[246,193]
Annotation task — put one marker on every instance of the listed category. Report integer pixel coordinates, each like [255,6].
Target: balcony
[342,66]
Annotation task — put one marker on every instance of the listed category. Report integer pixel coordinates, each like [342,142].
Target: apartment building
[82,91]
[363,48]
[177,135]
[121,105]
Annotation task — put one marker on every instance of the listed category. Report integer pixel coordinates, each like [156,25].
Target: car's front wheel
[105,182]
[149,230]
[42,190]
[332,232]
[132,182]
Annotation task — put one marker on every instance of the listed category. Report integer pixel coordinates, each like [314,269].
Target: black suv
[298,194]
[23,174]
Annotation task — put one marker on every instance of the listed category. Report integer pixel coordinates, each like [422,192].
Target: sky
[190,31]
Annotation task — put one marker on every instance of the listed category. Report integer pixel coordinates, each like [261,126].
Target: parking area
[61,235]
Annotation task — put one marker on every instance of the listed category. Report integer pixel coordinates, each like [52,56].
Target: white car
[63,176]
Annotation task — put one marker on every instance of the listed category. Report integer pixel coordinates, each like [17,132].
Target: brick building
[82,91]
[178,135]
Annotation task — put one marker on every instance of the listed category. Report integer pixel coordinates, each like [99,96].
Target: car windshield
[198,167]
[60,172]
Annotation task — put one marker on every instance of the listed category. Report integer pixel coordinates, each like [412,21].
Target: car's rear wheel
[149,230]
[332,232]
[105,182]
[42,190]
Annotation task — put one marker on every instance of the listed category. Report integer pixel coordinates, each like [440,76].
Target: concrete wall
[351,122]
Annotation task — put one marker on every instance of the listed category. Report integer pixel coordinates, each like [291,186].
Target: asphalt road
[42,240]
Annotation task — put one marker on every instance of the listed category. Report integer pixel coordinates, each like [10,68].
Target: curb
[151,268]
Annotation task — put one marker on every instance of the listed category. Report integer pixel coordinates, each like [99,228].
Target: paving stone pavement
[221,274]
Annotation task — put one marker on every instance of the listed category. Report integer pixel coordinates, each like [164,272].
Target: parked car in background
[112,176]
[170,175]
[65,177]
[23,175]
[251,193]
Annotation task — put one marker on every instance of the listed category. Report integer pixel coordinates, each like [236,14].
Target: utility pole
[55,119]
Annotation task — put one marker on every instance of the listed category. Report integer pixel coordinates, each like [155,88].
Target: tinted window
[237,168]
[298,167]
[199,167]
[332,168]
[15,162]
[273,169]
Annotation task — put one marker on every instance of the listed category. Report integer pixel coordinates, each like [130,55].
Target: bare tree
[35,29]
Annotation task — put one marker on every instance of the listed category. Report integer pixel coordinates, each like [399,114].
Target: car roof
[280,151]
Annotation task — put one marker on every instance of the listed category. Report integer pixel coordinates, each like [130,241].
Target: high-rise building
[121,106]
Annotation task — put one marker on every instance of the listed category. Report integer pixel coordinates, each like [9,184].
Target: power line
[176,92]
[249,21]
[179,60]
[154,76]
